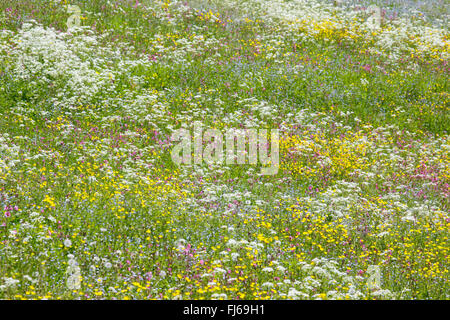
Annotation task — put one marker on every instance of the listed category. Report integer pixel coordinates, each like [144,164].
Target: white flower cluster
[311,16]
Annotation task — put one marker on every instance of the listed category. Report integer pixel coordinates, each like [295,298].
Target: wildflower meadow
[224,149]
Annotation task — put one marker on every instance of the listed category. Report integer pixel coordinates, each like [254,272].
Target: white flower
[10,282]
[28,278]
[281,268]
[219,270]
[234,256]
[383,293]
[295,294]
[205,275]
[232,243]
[67,243]
[219,295]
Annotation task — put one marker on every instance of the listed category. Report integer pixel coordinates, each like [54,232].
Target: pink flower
[367,67]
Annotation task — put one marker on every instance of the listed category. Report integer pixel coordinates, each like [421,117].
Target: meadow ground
[93,207]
